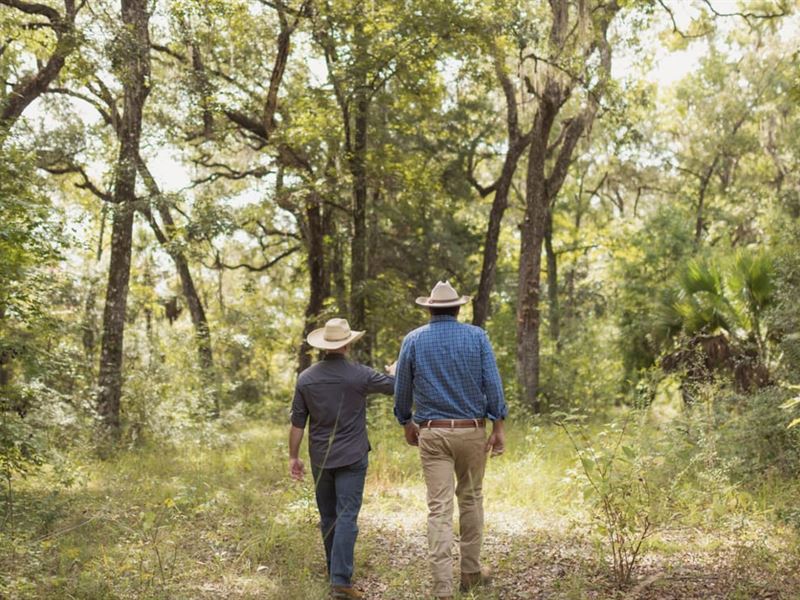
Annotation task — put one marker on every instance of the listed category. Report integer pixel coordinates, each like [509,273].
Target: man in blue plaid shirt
[447,372]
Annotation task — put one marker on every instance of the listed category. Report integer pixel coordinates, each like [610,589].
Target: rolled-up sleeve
[299,415]
[404,382]
[492,385]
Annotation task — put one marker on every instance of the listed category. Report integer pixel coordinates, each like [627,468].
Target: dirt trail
[549,561]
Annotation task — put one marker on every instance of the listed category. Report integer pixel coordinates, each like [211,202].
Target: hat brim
[317,339]
[427,302]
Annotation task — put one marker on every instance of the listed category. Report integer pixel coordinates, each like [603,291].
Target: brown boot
[340,591]
[471,580]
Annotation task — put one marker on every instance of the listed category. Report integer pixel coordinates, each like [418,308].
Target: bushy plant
[755,435]
[628,493]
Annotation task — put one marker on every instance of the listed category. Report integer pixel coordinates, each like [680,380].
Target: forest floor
[216,516]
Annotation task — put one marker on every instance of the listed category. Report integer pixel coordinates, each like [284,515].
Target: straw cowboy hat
[336,334]
[442,296]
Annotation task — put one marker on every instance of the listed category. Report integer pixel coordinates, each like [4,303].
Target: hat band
[433,301]
[330,338]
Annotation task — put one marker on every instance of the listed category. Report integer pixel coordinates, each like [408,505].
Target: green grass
[218,517]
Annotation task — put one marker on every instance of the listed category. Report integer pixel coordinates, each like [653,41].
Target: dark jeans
[339,493]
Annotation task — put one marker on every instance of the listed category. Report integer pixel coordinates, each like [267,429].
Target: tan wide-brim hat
[336,334]
[442,296]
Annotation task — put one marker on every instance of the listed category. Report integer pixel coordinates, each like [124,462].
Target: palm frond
[751,280]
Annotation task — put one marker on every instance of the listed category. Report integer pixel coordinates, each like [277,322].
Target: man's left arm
[496,408]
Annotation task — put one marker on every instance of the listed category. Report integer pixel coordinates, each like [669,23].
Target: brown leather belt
[453,423]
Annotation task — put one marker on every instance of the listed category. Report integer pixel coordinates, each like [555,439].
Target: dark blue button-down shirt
[332,395]
[448,371]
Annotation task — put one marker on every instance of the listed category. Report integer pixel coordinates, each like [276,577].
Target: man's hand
[391,369]
[412,433]
[496,444]
[296,469]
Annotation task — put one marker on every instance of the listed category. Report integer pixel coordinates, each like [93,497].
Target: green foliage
[677,220]
[647,257]
[29,244]
[755,438]
[715,296]
[624,483]
[21,448]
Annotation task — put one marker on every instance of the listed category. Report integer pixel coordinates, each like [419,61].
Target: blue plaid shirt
[447,369]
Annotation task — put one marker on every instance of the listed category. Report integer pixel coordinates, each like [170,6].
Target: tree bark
[5,358]
[553,309]
[532,232]
[481,304]
[337,272]
[110,376]
[28,89]
[166,238]
[314,233]
[358,244]
[135,90]
[705,180]
[516,146]
[552,91]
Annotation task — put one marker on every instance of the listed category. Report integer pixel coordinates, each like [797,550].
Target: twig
[63,531]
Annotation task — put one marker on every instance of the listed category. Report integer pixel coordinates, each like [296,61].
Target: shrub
[629,494]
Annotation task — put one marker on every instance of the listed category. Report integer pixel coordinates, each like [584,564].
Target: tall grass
[216,516]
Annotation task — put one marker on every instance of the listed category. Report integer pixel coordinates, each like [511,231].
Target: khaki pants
[445,452]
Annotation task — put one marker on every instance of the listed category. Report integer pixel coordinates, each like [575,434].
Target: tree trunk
[516,146]
[358,244]
[318,280]
[481,304]
[552,280]
[197,313]
[196,310]
[110,376]
[89,326]
[571,275]
[135,89]
[337,272]
[193,302]
[532,232]
[552,91]
[5,358]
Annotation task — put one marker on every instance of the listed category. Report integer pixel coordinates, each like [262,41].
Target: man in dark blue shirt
[332,395]
[447,372]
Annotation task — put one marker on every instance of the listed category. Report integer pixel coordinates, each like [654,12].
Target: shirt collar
[333,356]
[438,318]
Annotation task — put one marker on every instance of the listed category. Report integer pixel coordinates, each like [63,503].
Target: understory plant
[623,486]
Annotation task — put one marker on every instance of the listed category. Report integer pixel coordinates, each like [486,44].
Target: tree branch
[746,16]
[29,88]
[218,264]
[106,116]
[34,8]
[86,184]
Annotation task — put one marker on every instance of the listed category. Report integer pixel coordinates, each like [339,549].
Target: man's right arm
[403,384]
[296,467]
[299,417]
